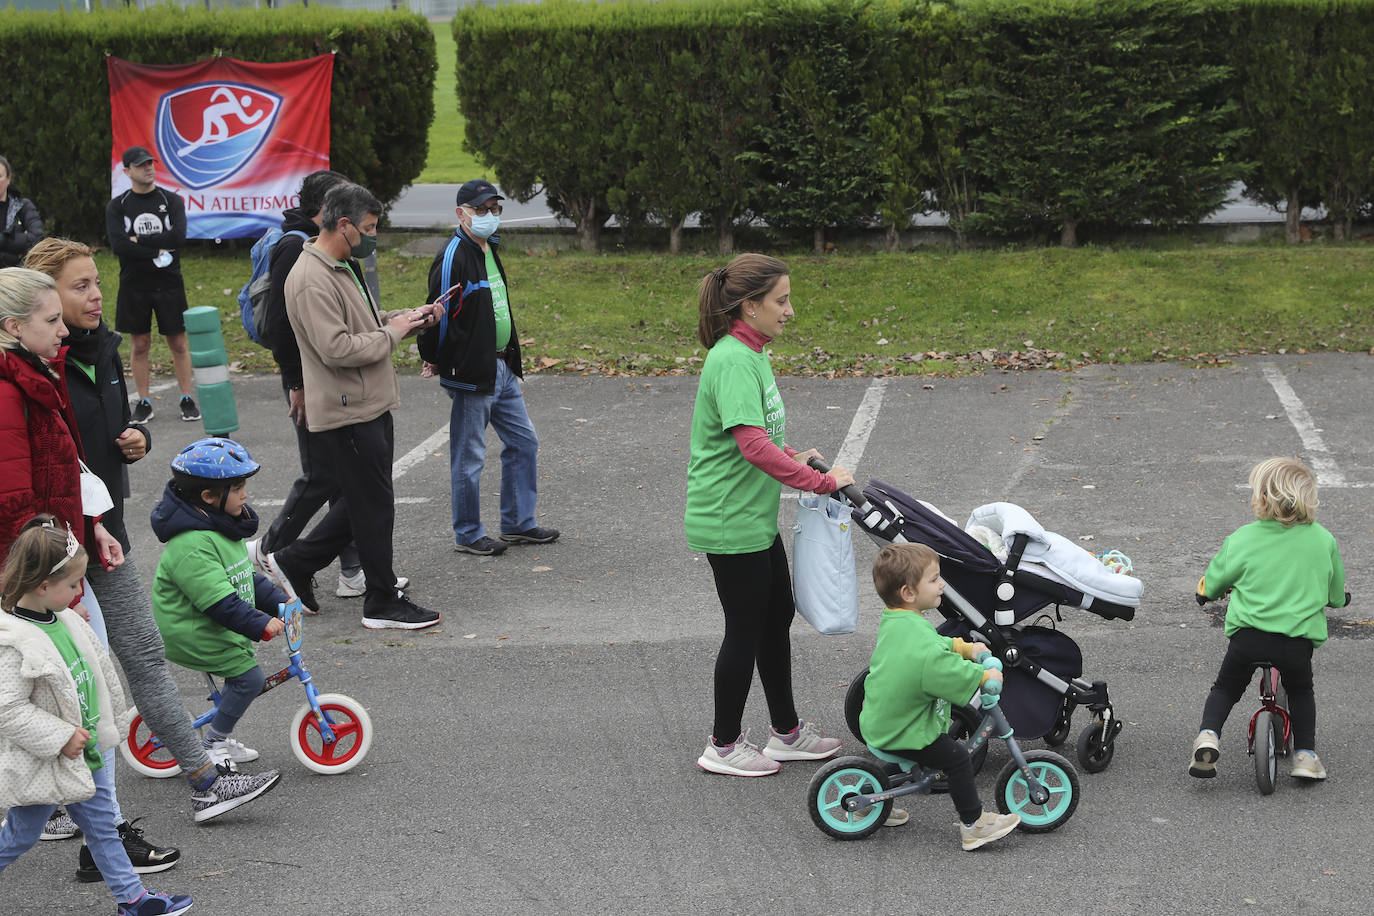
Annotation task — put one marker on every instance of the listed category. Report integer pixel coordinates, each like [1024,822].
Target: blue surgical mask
[485,225]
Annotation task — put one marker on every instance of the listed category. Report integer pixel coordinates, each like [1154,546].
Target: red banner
[232,137]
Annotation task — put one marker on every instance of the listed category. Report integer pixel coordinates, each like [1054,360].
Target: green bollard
[211,365]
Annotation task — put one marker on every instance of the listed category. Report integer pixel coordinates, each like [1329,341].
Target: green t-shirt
[732,506]
[913,677]
[197,570]
[1281,579]
[86,691]
[500,301]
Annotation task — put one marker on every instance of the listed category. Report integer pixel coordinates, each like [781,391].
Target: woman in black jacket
[20,225]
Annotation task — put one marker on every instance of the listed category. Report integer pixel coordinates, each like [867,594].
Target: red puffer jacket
[39,447]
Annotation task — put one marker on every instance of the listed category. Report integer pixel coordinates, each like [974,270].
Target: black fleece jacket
[277,332]
[101,406]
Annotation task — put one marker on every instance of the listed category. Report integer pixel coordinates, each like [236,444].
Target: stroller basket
[990,600]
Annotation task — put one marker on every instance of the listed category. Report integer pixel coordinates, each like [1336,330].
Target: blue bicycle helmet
[212,462]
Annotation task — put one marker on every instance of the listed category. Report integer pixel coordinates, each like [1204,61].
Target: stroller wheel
[854,704]
[1060,734]
[1094,752]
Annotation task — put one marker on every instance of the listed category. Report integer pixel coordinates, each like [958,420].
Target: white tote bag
[824,584]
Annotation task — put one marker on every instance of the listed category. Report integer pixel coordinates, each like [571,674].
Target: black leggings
[755,592]
[944,753]
[1292,655]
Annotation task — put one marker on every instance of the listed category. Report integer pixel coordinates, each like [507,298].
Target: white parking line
[856,440]
[865,418]
[418,453]
[1323,465]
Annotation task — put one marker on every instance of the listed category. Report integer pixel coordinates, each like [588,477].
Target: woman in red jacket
[40,449]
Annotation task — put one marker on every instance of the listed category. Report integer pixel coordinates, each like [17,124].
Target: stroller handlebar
[854,493]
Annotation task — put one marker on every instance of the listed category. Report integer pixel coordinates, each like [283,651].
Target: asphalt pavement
[535,752]
[430,206]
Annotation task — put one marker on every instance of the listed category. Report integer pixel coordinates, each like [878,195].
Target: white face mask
[485,225]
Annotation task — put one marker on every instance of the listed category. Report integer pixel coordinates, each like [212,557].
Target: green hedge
[1015,117]
[56,107]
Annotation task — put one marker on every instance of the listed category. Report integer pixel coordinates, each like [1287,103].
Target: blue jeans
[24,824]
[97,622]
[469,416]
[238,694]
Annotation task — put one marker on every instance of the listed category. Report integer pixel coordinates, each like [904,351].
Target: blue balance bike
[330,733]
[850,797]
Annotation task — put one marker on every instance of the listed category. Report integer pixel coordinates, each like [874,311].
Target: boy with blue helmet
[209,603]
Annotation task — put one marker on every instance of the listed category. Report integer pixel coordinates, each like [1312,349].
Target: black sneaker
[482,547]
[144,856]
[189,411]
[142,412]
[535,535]
[398,613]
[229,790]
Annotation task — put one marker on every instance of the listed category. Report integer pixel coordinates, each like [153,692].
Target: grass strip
[927,311]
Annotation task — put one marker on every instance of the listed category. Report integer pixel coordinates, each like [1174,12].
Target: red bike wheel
[142,751]
[352,729]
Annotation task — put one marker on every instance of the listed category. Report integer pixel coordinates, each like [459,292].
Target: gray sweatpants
[136,643]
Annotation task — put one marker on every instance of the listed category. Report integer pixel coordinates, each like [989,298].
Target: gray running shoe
[229,791]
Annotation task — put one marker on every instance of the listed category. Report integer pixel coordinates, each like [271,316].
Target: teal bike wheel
[840,779]
[1056,774]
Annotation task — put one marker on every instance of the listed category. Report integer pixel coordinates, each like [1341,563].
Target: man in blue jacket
[475,351]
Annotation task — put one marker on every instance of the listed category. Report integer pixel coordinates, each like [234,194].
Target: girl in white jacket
[60,701]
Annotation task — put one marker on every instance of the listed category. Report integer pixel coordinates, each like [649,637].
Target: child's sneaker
[151,904]
[229,791]
[987,828]
[805,742]
[231,752]
[60,827]
[738,759]
[1307,765]
[896,817]
[1206,750]
[145,857]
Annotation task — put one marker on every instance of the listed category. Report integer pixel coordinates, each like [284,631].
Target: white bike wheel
[138,750]
[351,726]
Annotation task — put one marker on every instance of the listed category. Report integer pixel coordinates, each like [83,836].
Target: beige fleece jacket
[344,341]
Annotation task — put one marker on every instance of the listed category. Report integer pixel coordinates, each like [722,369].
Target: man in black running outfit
[146,227]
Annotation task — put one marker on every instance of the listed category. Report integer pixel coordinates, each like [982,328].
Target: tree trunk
[818,240]
[892,239]
[725,237]
[589,227]
[1068,236]
[1292,219]
[675,237]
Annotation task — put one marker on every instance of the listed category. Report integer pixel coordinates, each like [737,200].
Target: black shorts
[135,307]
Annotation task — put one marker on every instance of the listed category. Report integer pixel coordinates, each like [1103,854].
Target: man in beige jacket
[351,388]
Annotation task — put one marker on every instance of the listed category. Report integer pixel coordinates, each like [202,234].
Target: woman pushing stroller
[739,463]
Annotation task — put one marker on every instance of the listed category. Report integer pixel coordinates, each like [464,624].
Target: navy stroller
[993,600]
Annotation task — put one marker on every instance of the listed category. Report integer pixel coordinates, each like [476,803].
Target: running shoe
[145,857]
[738,759]
[987,828]
[142,411]
[189,411]
[805,742]
[229,791]
[151,904]
[60,827]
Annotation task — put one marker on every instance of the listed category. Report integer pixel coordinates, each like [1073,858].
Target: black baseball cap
[137,155]
[477,191]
